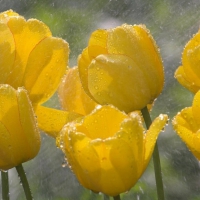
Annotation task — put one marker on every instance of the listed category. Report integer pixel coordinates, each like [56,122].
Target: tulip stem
[117,197]
[106,197]
[5,185]
[156,158]
[24,181]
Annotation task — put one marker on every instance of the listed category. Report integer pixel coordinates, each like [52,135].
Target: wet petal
[43,75]
[137,43]
[22,31]
[100,123]
[151,136]
[186,127]
[116,79]
[83,63]
[98,43]
[185,80]
[196,107]
[51,120]
[72,95]
[7,49]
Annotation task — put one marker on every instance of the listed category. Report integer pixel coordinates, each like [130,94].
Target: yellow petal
[137,43]
[190,59]
[72,96]
[7,49]
[117,80]
[20,140]
[22,31]
[186,127]
[196,107]
[125,164]
[132,133]
[28,123]
[43,75]
[151,136]
[185,80]
[98,43]
[83,63]
[4,16]
[51,121]
[103,122]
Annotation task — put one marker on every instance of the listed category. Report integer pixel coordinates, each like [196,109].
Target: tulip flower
[189,73]
[109,150]
[187,125]
[33,59]
[122,67]
[72,95]
[20,138]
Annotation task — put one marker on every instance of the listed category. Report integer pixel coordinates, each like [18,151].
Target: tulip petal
[109,182]
[6,157]
[190,59]
[72,96]
[196,107]
[83,63]
[98,43]
[100,123]
[125,163]
[151,136]
[7,47]
[43,75]
[184,80]
[22,31]
[51,120]
[132,134]
[28,123]
[187,128]
[87,163]
[4,16]
[116,79]
[136,43]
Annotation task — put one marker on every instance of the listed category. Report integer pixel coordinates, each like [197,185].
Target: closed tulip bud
[189,73]
[108,150]
[122,67]
[20,138]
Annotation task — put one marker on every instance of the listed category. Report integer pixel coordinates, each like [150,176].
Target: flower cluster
[99,128]
[187,122]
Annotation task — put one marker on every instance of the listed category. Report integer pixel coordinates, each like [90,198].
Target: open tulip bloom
[109,150]
[187,125]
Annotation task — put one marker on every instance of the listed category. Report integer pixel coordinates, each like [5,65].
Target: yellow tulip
[72,96]
[108,150]
[187,125]
[189,73]
[122,67]
[33,59]
[20,138]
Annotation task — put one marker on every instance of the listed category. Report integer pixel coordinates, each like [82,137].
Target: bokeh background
[172,23]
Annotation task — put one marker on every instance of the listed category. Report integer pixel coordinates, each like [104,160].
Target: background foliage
[172,24]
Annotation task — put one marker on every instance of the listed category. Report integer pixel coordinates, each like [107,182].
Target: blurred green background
[172,23]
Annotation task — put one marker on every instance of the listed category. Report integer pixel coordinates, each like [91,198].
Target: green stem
[24,182]
[117,197]
[156,158]
[5,185]
[106,197]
